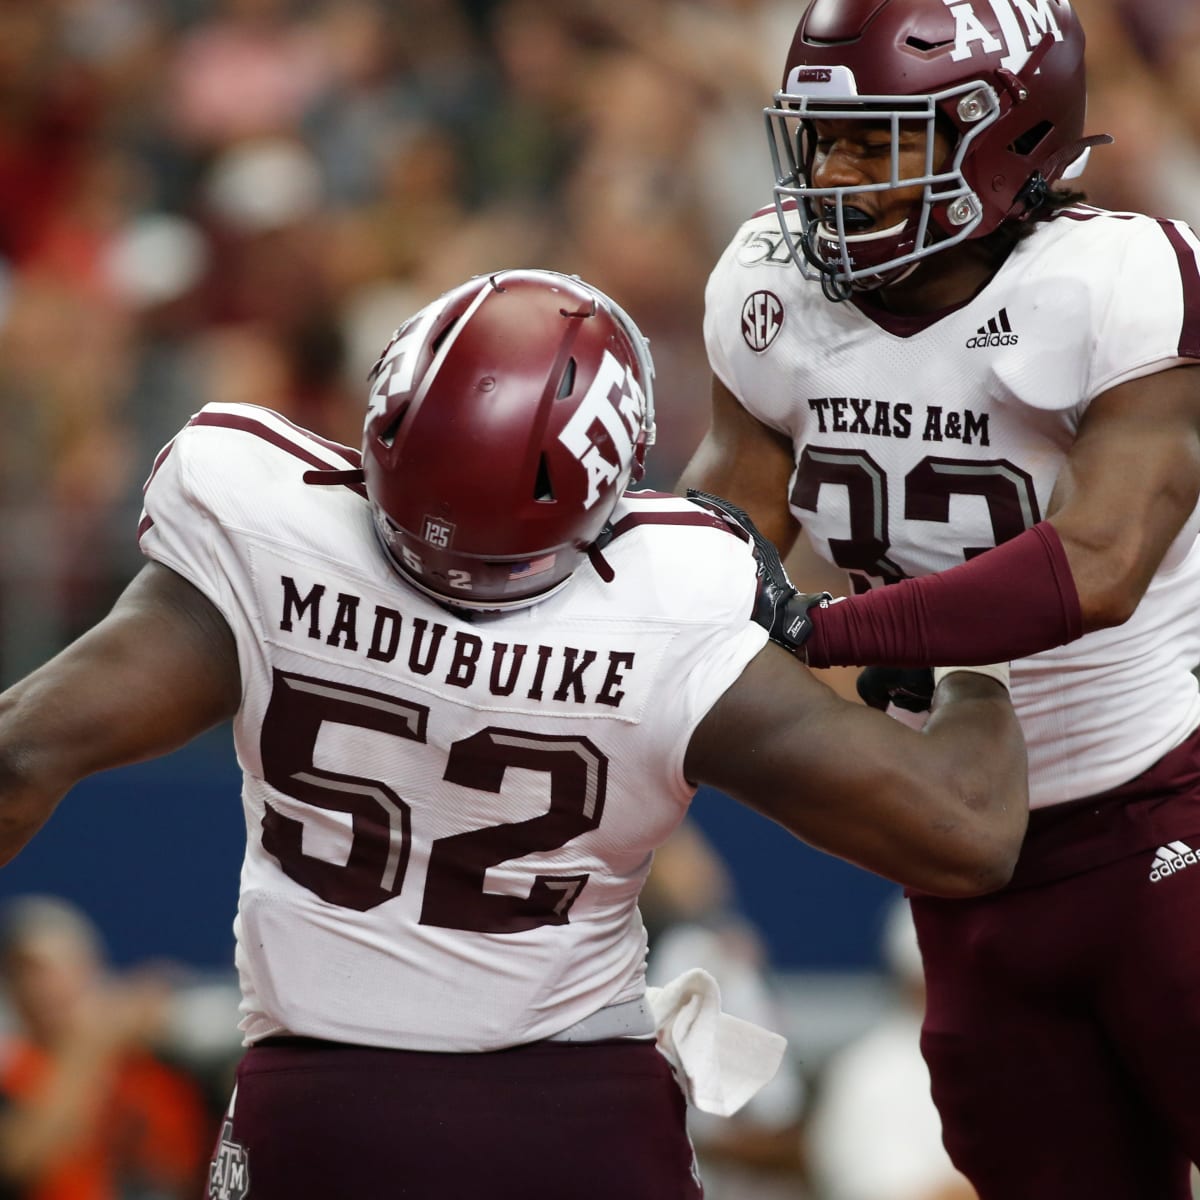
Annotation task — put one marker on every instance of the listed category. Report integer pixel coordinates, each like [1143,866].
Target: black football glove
[779,608]
[910,688]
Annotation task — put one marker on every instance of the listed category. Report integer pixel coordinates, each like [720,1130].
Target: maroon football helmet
[506,418]
[1004,78]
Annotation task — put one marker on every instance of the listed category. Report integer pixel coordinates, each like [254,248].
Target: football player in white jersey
[959,379]
[474,683]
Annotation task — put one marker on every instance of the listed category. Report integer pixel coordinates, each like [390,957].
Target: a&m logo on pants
[229,1175]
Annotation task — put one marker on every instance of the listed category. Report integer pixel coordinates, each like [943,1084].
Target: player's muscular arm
[745,461]
[943,810]
[1129,484]
[159,669]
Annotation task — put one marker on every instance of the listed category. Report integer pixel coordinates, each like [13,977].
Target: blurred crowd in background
[239,200]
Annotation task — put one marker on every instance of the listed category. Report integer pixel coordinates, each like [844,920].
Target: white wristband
[996,671]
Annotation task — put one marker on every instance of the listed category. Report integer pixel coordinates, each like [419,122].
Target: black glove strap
[789,623]
[779,608]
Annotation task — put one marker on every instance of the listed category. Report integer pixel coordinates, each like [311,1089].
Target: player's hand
[910,688]
[779,608]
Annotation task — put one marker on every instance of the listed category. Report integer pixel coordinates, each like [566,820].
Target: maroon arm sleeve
[1012,601]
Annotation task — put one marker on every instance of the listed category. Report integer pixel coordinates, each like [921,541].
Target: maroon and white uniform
[448,821]
[1062,1029]
[920,442]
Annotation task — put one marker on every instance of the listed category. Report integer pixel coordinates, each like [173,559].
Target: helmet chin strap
[900,278]
[1068,163]
[836,287]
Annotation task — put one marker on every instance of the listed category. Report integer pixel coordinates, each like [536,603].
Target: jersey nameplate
[339,618]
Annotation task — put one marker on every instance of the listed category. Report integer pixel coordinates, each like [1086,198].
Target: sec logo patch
[762,319]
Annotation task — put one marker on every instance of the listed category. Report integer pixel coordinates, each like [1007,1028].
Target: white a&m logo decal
[1023,24]
[615,401]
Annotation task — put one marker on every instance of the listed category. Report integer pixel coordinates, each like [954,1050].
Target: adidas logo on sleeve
[1175,856]
[997,332]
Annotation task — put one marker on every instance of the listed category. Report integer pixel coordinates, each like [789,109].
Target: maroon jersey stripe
[1189,277]
[143,525]
[1089,214]
[626,523]
[788,206]
[158,462]
[259,429]
[353,457]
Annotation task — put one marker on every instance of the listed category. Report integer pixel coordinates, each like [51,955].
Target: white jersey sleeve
[219,477]
[177,527]
[1140,329]
[448,820]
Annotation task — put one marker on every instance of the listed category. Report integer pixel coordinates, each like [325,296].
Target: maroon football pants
[318,1121]
[1062,1027]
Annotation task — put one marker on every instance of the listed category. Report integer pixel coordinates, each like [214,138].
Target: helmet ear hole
[440,335]
[566,385]
[388,435]
[543,489]
[925,47]
[1031,138]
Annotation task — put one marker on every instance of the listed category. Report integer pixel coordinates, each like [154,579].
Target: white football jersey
[920,442]
[448,821]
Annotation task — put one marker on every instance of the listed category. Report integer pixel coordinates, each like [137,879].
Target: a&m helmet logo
[1023,25]
[395,372]
[616,402]
[762,319]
